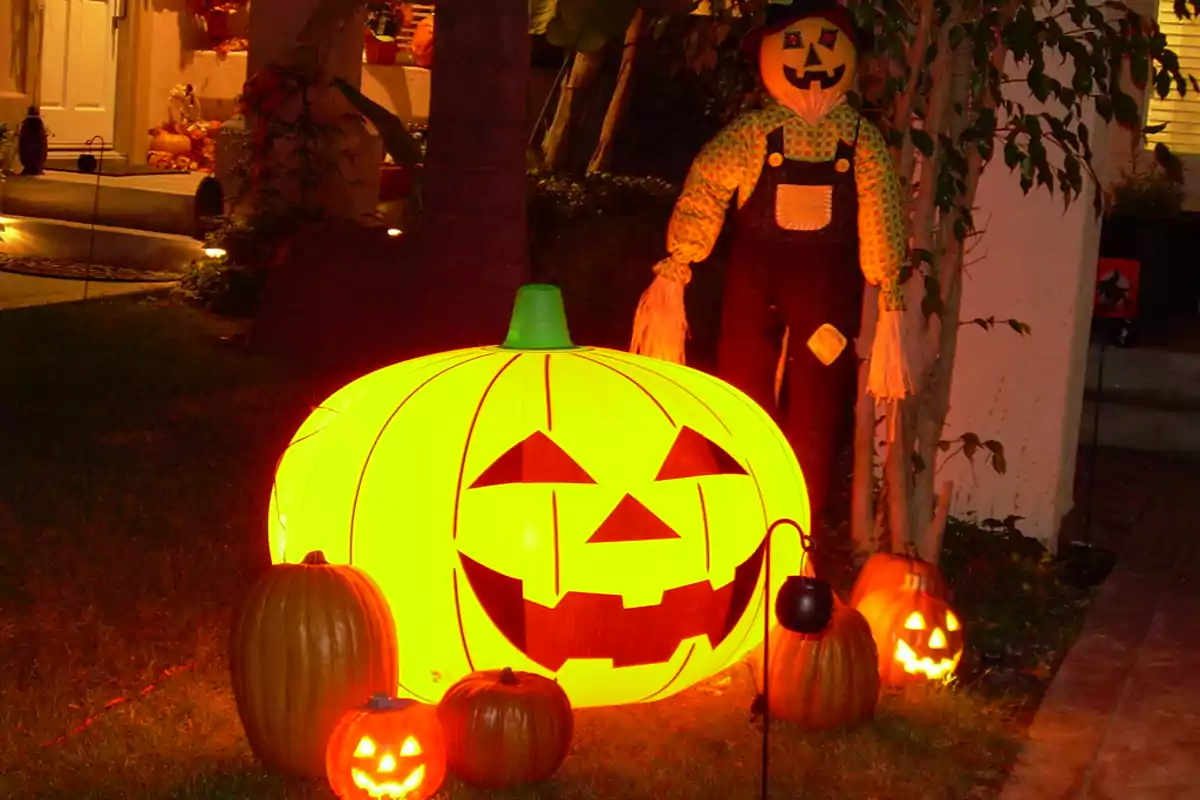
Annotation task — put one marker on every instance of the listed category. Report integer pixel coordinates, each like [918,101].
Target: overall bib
[799,270]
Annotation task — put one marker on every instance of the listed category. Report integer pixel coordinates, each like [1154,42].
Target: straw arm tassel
[889,377]
[660,326]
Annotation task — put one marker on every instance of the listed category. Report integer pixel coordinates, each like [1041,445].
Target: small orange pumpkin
[918,636]
[828,680]
[177,144]
[504,728]
[387,748]
[887,571]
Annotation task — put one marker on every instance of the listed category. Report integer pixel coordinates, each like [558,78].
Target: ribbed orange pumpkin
[828,680]
[888,571]
[504,728]
[917,635]
[310,641]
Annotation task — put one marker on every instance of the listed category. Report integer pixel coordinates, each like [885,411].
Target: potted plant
[1144,221]
[383,24]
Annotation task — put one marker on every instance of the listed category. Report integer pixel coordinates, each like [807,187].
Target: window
[1182,114]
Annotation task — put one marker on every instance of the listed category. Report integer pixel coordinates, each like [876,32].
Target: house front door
[79,70]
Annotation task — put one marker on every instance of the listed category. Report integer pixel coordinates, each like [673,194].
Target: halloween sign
[584,514]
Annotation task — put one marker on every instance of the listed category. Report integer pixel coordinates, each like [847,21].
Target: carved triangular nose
[631,521]
[813,59]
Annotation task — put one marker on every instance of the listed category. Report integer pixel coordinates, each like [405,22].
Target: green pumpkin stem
[315,559]
[539,320]
[508,677]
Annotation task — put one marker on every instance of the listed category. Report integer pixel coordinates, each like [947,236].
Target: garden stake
[86,163]
[807,604]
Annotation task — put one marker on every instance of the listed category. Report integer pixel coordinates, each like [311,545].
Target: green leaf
[585,25]
[540,14]
[922,141]
[970,445]
[397,140]
[999,462]
[931,303]
[1126,109]
[1019,327]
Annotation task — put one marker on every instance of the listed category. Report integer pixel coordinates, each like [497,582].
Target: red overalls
[800,279]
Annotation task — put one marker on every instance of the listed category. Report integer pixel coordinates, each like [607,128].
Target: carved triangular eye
[694,455]
[537,459]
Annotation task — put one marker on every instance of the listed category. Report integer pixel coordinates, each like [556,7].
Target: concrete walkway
[20,291]
[1122,717]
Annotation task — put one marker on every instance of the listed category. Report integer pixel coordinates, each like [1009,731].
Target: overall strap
[775,141]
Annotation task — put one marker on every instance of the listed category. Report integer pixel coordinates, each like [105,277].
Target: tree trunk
[864,533]
[584,69]
[473,232]
[941,336]
[620,97]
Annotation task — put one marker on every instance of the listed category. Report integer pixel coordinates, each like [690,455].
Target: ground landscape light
[214,252]
[585,514]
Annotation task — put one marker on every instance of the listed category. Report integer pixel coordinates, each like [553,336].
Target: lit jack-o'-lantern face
[389,748]
[808,66]
[586,514]
[919,636]
[926,649]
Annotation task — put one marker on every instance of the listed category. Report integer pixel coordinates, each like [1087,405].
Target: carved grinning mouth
[587,625]
[805,80]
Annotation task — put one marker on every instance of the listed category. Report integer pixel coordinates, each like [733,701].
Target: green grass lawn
[137,452]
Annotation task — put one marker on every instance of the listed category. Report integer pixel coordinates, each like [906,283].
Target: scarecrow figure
[818,200]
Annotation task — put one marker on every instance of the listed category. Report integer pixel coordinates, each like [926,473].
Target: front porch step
[118,247]
[162,203]
[1150,400]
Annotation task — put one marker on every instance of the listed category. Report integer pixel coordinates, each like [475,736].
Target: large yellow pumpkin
[584,514]
[310,640]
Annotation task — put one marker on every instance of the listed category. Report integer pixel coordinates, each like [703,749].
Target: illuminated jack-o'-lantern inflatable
[590,515]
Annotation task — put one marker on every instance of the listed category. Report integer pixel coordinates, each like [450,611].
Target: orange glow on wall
[586,514]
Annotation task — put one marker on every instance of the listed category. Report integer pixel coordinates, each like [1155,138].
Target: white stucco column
[1036,263]
[274,25]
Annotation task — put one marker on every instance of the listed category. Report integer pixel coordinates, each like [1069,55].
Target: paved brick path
[1122,716]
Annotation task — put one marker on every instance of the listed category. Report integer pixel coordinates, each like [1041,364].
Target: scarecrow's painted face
[808,65]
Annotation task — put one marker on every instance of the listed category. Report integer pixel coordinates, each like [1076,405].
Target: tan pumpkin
[177,144]
[505,728]
[310,641]
[422,43]
[824,681]
[887,571]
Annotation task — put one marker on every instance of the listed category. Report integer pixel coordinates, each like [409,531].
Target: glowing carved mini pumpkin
[310,640]
[827,680]
[584,514]
[388,748]
[809,65]
[504,728]
[886,571]
[919,637]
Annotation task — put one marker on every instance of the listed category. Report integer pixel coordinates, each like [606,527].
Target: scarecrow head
[807,55]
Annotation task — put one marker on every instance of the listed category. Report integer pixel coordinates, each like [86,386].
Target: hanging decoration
[584,514]
[818,207]
[309,641]
[505,728]
[918,636]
